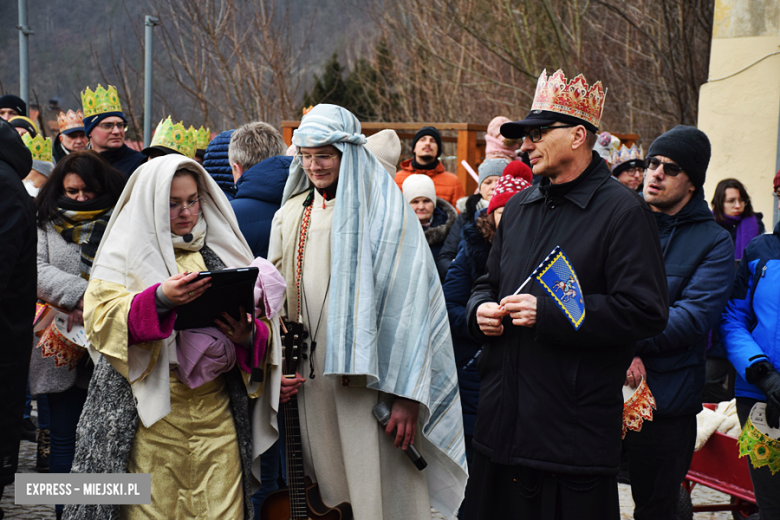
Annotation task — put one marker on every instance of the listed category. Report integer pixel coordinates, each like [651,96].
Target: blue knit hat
[92,121]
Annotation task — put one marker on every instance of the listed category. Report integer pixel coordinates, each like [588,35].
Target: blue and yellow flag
[560,281]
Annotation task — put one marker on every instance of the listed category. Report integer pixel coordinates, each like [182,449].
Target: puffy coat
[550,395]
[699,260]
[217,164]
[17,292]
[448,186]
[444,216]
[469,264]
[258,197]
[748,327]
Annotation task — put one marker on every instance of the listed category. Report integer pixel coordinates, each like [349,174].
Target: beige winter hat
[386,146]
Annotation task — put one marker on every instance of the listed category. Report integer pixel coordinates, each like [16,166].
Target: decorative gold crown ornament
[39,147]
[624,155]
[70,120]
[572,98]
[100,101]
[175,137]
[202,137]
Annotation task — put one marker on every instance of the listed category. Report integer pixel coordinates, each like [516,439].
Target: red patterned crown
[572,98]
[71,120]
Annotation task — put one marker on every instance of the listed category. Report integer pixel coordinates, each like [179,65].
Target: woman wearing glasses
[186,388]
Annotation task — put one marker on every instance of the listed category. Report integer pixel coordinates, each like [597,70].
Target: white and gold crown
[70,120]
[572,98]
[624,155]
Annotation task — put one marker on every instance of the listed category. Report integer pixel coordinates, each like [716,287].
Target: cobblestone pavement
[701,495]
[11,510]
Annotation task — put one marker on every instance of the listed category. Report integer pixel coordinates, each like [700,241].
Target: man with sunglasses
[105,125]
[547,436]
[699,259]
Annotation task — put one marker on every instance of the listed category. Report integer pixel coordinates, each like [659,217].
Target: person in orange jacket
[427,148]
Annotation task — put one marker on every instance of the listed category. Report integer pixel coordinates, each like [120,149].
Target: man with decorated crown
[104,124]
[72,136]
[547,439]
[628,166]
[170,138]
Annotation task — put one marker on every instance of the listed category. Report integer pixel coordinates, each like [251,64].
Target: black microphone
[382,414]
[188,237]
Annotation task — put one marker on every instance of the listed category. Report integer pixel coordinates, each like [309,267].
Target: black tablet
[230,289]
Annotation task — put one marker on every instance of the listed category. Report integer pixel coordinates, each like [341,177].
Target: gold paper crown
[175,137]
[626,154]
[100,101]
[573,98]
[39,147]
[70,120]
[202,137]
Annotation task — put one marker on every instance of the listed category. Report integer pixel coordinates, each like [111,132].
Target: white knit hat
[418,185]
[386,146]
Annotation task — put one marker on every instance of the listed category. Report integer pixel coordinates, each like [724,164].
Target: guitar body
[276,506]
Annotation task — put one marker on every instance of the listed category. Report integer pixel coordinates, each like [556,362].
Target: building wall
[740,111]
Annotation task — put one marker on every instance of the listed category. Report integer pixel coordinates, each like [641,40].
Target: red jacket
[448,186]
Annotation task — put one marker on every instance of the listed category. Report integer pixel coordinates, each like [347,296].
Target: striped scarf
[83,227]
[387,318]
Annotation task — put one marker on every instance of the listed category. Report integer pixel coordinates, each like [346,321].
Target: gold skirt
[193,457]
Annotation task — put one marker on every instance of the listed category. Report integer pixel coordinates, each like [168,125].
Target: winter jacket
[443,218]
[60,284]
[699,260]
[469,264]
[17,292]
[217,164]
[551,396]
[124,159]
[748,327]
[258,197]
[448,186]
[452,243]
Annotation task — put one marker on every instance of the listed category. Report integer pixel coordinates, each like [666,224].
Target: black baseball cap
[516,129]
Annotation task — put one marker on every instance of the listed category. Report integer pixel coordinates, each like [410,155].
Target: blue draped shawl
[387,318]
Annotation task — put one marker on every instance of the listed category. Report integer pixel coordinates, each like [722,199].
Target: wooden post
[467,150]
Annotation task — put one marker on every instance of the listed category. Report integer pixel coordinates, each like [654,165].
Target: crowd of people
[405,291]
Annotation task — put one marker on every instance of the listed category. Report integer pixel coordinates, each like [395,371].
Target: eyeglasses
[535,134]
[671,169]
[109,127]
[322,160]
[636,170]
[732,202]
[177,208]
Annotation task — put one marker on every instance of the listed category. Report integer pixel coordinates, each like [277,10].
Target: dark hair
[486,224]
[720,197]
[98,175]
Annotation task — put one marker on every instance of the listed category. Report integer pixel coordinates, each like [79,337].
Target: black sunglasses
[535,134]
[670,169]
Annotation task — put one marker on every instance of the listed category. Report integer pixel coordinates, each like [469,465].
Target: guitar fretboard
[295,474]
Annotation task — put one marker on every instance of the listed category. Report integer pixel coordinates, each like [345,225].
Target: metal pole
[149,23]
[24,60]
[775,212]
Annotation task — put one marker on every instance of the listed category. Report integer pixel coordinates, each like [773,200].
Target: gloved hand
[767,378]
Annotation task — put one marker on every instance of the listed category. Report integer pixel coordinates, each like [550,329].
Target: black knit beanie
[14,103]
[431,131]
[687,146]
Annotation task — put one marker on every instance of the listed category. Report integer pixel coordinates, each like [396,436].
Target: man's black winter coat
[551,395]
[18,281]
